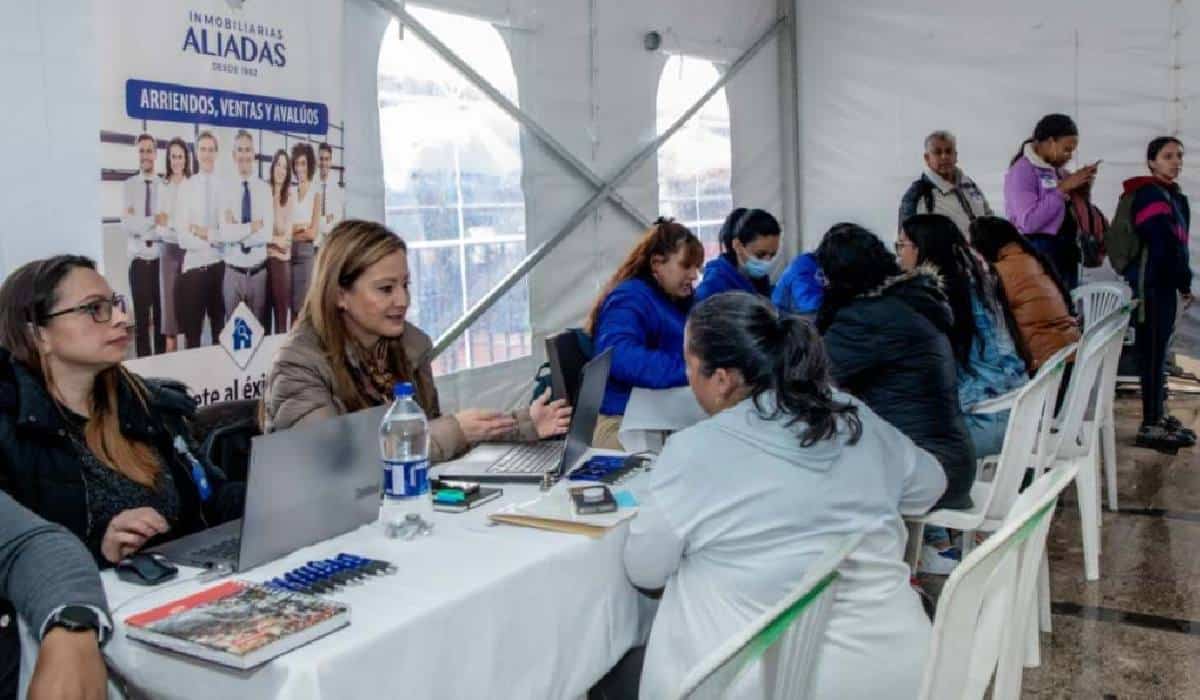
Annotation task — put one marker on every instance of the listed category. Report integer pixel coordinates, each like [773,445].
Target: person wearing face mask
[749,244]
[943,188]
[352,343]
[1161,278]
[640,315]
[1037,193]
[83,442]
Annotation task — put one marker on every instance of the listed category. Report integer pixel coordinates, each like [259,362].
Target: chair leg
[1108,442]
[968,542]
[916,537]
[1044,595]
[1089,516]
[1033,640]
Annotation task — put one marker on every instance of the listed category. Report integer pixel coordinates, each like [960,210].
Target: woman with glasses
[83,442]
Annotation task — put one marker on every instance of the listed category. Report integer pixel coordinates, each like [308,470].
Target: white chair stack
[782,645]
[985,613]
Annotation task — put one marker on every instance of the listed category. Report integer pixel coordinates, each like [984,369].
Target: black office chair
[224,431]
[567,352]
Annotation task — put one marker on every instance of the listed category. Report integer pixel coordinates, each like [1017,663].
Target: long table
[475,611]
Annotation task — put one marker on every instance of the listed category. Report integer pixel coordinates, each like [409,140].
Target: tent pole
[789,138]
[557,149]
[605,191]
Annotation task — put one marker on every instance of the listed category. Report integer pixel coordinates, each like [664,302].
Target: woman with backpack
[749,244]
[1037,192]
[1160,276]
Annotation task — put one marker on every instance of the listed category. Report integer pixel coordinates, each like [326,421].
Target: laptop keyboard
[223,550]
[529,459]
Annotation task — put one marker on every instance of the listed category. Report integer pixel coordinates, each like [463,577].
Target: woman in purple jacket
[1037,190]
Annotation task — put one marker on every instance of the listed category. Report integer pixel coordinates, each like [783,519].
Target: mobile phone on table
[590,500]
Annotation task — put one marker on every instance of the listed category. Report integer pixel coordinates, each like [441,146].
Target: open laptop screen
[586,410]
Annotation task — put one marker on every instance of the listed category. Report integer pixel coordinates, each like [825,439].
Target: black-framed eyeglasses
[901,245]
[101,310]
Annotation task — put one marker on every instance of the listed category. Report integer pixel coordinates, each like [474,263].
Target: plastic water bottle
[404,448]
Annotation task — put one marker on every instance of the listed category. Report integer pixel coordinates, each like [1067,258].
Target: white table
[475,611]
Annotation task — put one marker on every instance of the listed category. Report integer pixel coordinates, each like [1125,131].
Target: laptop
[330,467]
[528,463]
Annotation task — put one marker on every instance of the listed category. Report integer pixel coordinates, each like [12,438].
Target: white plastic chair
[1103,411]
[1022,439]
[785,641]
[1077,438]
[982,626]
[1096,300]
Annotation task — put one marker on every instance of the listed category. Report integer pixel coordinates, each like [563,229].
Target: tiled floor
[1135,633]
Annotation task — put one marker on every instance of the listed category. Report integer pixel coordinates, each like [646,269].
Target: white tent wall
[876,76]
[51,116]
[584,76]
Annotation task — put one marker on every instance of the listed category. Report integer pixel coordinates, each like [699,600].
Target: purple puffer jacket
[1031,199]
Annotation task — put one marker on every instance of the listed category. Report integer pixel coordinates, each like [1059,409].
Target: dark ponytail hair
[777,353]
[1051,126]
[1160,143]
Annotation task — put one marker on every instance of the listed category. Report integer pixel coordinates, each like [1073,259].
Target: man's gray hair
[940,135]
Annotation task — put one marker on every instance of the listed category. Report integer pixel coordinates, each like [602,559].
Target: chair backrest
[1094,347]
[1021,438]
[786,640]
[223,431]
[978,619]
[1096,300]
[567,355]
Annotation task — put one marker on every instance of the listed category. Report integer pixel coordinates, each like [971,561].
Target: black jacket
[40,467]
[890,348]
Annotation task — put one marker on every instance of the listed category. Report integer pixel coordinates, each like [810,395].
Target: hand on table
[129,530]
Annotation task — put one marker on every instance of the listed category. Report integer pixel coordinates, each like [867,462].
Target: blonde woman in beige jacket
[351,344]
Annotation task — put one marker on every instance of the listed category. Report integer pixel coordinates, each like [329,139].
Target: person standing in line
[247,221]
[749,244]
[199,288]
[138,219]
[1161,277]
[333,200]
[169,220]
[943,188]
[279,249]
[306,222]
[1037,192]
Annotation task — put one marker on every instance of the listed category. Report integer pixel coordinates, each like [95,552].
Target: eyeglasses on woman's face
[101,310]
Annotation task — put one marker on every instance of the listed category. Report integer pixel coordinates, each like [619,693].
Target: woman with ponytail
[640,315]
[749,244]
[739,506]
[83,442]
[1037,192]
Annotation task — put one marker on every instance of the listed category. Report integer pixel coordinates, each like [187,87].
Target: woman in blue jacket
[749,243]
[640,315]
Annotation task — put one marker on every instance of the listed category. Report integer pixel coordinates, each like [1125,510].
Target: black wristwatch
[79,618]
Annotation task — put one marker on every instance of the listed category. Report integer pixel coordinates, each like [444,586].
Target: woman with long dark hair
[279,250]
[739,506]
[1038,299]
[887,332]
[352,343]
[84,442]
[640,315]
[982,333]
[1037,192]
[749,244]
[170,219]
[1161,276]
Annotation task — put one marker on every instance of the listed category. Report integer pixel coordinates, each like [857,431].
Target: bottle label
[405,478]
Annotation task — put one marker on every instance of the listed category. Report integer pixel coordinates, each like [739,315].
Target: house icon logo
[242,335]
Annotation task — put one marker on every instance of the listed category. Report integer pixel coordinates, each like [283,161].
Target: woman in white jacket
[739,505]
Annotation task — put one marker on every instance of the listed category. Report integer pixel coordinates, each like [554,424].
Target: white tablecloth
[653,414]
[475,611]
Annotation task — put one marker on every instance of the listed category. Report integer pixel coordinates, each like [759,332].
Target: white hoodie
[733,513]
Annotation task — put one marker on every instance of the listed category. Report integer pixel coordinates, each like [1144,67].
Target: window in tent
[452,173]
[695,165]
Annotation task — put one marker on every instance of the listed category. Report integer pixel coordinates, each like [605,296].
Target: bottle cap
[402,390]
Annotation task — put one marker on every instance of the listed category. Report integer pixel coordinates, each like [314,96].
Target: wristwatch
[79,618]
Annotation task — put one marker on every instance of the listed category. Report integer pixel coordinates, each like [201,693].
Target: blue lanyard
[199,476]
